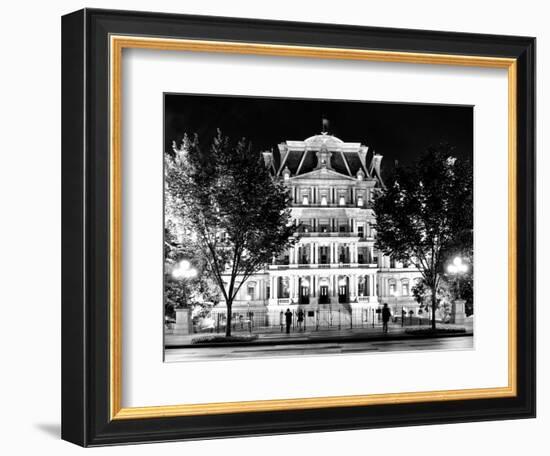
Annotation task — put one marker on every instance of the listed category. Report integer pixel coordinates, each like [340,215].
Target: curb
[319,340]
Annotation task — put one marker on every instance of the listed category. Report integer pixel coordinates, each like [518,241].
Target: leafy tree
[425,215]
[444,297]
[237,212]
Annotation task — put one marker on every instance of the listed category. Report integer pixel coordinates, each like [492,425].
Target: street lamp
[184,271]
[456,268]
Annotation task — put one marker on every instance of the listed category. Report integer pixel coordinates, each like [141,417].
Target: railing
[306,319]
[323,266]
[333,234]
[334,205]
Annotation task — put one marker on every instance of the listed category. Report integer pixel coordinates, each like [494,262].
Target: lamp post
[183,271]
[456,268]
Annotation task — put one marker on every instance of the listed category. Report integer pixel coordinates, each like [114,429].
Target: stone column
[275,287]
[313,253]
[184,324]
[353,286]
[458,312]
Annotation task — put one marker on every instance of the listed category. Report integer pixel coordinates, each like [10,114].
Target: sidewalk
[274,336]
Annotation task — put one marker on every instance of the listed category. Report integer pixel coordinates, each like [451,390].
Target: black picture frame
[85,228]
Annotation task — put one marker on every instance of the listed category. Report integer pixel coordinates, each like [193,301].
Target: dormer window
[360,200]
[323,200]
[305,200]
[342,200]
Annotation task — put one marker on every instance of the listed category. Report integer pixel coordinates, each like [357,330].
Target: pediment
[324,173]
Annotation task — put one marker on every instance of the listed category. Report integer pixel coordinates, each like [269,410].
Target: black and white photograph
[297,227]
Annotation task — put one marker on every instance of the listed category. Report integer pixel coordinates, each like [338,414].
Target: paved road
[207,353]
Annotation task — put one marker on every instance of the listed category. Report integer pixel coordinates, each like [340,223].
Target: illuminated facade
[335,264]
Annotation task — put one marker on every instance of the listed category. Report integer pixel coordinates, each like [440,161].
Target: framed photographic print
[276,227]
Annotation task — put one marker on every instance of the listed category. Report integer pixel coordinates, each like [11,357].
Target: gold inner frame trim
[117,44]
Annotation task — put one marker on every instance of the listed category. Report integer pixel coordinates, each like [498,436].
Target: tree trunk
[434,305]
[228,304]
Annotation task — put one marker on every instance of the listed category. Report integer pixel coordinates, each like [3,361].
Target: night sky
[398,131]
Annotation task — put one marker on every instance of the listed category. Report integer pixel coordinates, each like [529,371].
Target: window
[342,200]
[283,287]
[405,289]
[305,196]
[361,288]
[323,253]
[306,225]
[323,196]
[360,200]
[361,231]
[250,290]
[393,291]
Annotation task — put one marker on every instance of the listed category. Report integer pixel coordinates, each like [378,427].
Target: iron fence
[264,321]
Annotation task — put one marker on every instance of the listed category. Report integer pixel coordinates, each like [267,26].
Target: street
[327,348]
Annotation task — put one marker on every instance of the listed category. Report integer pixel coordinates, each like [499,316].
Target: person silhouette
[300,319]
[386,314]
[288,316]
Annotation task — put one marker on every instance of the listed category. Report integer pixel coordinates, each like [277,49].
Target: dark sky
[398,131]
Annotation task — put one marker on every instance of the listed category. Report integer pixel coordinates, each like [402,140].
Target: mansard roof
[345,158]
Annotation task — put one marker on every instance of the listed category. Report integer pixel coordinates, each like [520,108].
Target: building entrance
[304,295]
[323,295]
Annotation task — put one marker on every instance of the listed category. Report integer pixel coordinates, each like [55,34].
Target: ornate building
[335,264]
